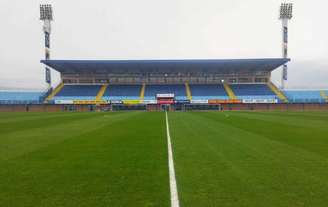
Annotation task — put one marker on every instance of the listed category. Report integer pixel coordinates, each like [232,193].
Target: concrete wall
[276,107]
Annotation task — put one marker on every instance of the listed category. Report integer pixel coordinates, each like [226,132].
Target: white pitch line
[173,182]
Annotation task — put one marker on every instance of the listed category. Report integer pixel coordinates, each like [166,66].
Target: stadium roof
[165,66]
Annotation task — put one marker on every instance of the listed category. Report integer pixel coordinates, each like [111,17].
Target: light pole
[46,17]
[286,13]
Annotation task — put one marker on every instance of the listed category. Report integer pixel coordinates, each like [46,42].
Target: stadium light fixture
[286,13]
[46,16]
[46,12]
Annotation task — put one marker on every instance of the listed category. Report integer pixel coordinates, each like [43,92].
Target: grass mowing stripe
[173,182]
[22,142]
[42,121]
[276,151]
[218,164]
[117,163]
[319,121]
[303,133]
[32,115]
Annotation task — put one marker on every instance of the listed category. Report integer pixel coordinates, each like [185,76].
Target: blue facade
[304,96]
[18,97]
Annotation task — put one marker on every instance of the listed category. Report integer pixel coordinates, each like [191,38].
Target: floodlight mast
[46,17]
[286,13]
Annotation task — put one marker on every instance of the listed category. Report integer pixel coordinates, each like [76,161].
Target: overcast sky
[162,29]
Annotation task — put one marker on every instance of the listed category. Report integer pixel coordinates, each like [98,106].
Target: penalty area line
[173,182]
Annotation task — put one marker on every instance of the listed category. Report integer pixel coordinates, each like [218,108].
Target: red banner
[163,101]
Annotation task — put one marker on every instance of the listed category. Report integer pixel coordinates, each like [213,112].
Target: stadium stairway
[188,91]
[324,95]
[55,91]
[101,93]
[278,92]
[229,91]
[142,91]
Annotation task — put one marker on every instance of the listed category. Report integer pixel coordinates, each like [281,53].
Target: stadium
[164,132]
[231,84]
[189,84]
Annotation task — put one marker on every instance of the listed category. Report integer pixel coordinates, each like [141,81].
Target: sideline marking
[173,182]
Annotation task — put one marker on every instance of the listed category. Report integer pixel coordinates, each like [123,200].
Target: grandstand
[187,80]
[151,82]
[197,81]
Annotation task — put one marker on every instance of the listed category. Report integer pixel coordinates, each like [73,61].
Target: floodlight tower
[46,17]
[286,13]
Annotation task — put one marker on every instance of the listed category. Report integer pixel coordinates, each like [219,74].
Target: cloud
[177,29]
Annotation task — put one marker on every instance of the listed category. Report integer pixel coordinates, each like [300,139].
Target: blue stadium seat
[122,92]
[304,96]
[78,92]
[19,97]
[253,91]
[178,90]
[207,91]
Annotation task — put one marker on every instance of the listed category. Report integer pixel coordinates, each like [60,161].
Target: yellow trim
[229,91]
[87,102]
[55,91]
[188,91]
[324,95]
[131,102]
[101,93]
[142,91]
[278,92]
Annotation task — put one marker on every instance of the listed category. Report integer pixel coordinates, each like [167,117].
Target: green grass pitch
[238,159]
